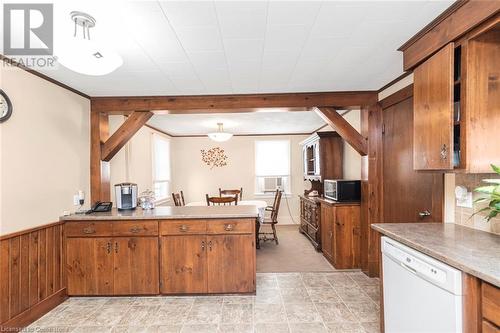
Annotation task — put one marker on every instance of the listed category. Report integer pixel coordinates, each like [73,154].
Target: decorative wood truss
[140,109]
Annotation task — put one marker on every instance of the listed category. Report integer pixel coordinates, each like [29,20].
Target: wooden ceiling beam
[215,103]
[126,131]
[344,129]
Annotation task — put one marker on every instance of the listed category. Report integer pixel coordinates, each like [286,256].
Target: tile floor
[285,302]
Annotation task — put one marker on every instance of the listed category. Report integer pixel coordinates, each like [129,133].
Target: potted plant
[491,193]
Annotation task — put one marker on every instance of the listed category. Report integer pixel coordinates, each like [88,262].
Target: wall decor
[214,157]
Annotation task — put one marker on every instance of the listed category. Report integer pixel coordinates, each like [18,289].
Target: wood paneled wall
[32,275]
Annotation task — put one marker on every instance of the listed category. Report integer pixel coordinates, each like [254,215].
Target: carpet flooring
[293,254]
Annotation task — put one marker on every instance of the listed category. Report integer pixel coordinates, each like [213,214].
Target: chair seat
[269,221]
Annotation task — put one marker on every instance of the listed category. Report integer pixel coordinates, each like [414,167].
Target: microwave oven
[342,190]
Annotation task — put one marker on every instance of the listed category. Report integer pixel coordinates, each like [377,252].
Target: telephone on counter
[313,193]
[100,206]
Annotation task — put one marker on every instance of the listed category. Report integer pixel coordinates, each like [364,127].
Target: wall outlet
[465,201]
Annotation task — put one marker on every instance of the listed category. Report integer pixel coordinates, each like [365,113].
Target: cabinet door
[183,264]
[433,112]
[135,265]
[231,264]
[89,266]
[347,237]
[327,221]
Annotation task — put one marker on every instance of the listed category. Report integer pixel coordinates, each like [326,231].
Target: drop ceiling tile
[212,59]
[200,38]
[189,13]
[245,68]
[338,18]
[243,49]
[286,37]
[325,47]
[242,19]
[293,12]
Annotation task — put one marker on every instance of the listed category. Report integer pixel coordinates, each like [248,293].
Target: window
[161,167]
[272,166]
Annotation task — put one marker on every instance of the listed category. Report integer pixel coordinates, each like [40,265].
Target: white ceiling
[239,123]
[226,47]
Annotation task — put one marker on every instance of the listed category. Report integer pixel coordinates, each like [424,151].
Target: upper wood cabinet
[322,155]
[433,112]
[457,104]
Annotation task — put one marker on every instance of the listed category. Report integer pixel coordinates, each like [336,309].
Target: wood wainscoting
[32,274]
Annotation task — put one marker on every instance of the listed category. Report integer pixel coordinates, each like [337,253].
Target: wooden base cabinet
[208,257]
[310,220]
[340,234]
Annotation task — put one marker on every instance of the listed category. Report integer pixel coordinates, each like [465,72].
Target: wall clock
[5,106]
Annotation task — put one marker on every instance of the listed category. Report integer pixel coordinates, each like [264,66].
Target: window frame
[154,181]
[286,178]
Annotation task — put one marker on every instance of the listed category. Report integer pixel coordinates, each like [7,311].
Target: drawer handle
[183,228]
[135,229]
[88,230]
[229,227]
[444,152]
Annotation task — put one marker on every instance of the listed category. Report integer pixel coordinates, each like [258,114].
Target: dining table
[260,206]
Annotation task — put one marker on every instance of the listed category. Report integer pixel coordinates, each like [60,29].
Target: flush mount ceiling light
[82,55]
[220,135]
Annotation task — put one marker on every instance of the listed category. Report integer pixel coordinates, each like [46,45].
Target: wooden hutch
[323,159]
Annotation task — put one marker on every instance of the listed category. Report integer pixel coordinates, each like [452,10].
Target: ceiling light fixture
[220,135]
[84,56]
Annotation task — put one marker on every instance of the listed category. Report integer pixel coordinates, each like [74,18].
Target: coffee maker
[126,196]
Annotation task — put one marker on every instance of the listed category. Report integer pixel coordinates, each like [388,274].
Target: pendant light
[84,56]
[220,135]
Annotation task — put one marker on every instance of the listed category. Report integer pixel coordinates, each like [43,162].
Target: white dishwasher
[421,294]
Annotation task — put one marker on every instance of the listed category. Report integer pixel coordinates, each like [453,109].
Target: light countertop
[169,212]
[472,251]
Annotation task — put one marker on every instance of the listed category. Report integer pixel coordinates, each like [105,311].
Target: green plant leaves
[493,195]
[485,189]
[495,168]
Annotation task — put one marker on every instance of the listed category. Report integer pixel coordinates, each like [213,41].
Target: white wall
[45,148]
[196,179]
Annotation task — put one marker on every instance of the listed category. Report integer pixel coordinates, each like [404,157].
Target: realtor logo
[28,29]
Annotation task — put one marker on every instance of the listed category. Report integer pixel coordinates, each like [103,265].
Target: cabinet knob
[444,152]
[183,228]
[116,247]
[108,247]
[210,245]
[135,229]
[423,214]
[88,230]
[229,227]
[203,245]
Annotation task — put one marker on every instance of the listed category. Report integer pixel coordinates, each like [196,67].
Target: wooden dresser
[310,220]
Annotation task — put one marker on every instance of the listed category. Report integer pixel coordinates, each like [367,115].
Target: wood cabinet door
[183,262]
[327,222]
[231,263]
[347,237]
[89,266]
[135,265]
[433,112]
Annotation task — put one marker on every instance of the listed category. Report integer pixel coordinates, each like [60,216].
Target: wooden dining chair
[178,199]
[231,193]
[272,220]
[222,201]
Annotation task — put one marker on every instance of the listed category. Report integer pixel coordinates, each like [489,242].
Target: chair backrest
[178,199]
[222,201]
[231,192]
[276,206]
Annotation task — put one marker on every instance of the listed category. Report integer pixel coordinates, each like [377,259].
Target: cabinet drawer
[491,303]
[135,228]
[312,231]
[88,229]
[183,227]
[230,227]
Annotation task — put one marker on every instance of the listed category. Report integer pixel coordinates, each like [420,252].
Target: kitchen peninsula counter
[166,250]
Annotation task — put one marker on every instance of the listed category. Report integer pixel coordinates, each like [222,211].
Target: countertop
[472,251]
[169,212]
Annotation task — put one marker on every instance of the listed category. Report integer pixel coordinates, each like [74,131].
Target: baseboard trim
[30,315]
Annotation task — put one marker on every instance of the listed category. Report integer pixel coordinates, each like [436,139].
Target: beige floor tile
[271,328]
[199,328]
[139,315]
[365,312]
[208,299]
[129,329]
[238,300]
[302,313]
[307,328]
[178,300]
[120,301]
[323,295]
[295,295]
[237,313]
[290,280]
[172,314]
[344,328]
[204,314]
[235,328]
[266,281]
[164,329]
[93,329]
[269,313]
[268,296]
[373,327]
[106,315]
[351,294]
[315,280]
[335,313]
